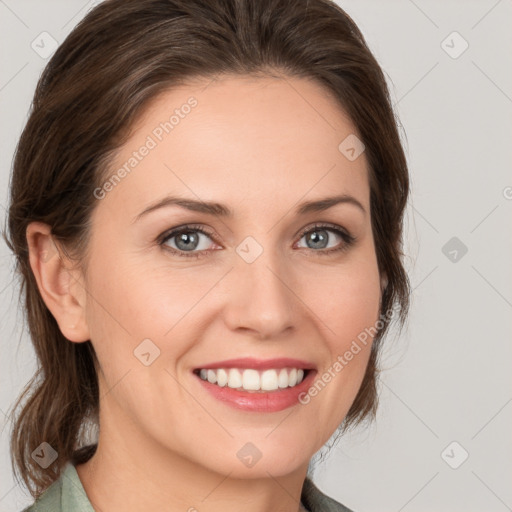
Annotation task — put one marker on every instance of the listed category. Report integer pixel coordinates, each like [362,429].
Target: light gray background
[448,376]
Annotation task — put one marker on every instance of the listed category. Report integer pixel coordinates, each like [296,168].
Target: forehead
[238,140]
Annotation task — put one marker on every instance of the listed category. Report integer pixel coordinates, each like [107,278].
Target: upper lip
[259,364]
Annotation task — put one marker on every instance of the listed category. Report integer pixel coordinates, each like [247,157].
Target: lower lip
[269,401]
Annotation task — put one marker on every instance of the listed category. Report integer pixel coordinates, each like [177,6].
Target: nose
[260,300]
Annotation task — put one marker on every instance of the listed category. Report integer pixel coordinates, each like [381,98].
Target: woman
[206,210]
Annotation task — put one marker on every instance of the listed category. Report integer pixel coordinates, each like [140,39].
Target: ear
[59,286]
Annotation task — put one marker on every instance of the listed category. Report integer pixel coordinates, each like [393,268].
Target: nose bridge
[260,300]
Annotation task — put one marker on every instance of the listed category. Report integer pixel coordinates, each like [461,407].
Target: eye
[320,235]
[187,239]
[191,241]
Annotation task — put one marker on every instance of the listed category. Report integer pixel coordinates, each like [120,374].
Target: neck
[132,472]
[116,485]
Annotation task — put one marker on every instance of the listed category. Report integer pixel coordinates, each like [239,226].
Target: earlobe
[58,285]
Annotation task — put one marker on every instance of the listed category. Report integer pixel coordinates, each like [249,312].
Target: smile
[250,379]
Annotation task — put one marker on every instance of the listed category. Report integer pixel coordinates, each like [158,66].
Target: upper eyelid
[323,225]
[170,233]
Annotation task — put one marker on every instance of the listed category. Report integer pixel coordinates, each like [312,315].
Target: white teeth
[235,378]
[251,380]
[269,380]
[222,377]
[292,377]
[254,380]
[283,378]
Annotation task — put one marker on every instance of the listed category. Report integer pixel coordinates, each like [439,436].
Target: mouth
[257,385]
[252,380]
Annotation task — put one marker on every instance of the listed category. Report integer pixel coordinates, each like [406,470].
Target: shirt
[67,494]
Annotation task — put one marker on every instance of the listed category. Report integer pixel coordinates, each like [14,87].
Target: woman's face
[261,283]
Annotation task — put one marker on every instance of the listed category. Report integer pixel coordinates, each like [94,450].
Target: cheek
[348,321]
[119,314]
[143,299]
[346,301]
[353,312]
[131,302]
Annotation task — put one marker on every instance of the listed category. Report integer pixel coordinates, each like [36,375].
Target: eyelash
[347,238]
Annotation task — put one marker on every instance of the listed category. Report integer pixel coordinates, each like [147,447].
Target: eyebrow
[218,209]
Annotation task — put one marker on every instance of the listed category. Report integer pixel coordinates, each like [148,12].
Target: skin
[259,146]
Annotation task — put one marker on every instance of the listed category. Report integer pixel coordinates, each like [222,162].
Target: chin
[259,459]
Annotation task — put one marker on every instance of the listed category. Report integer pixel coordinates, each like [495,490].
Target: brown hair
[119,57]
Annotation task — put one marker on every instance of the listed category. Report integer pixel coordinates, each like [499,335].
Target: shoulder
[65,495]
[49,501]
[316,501]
